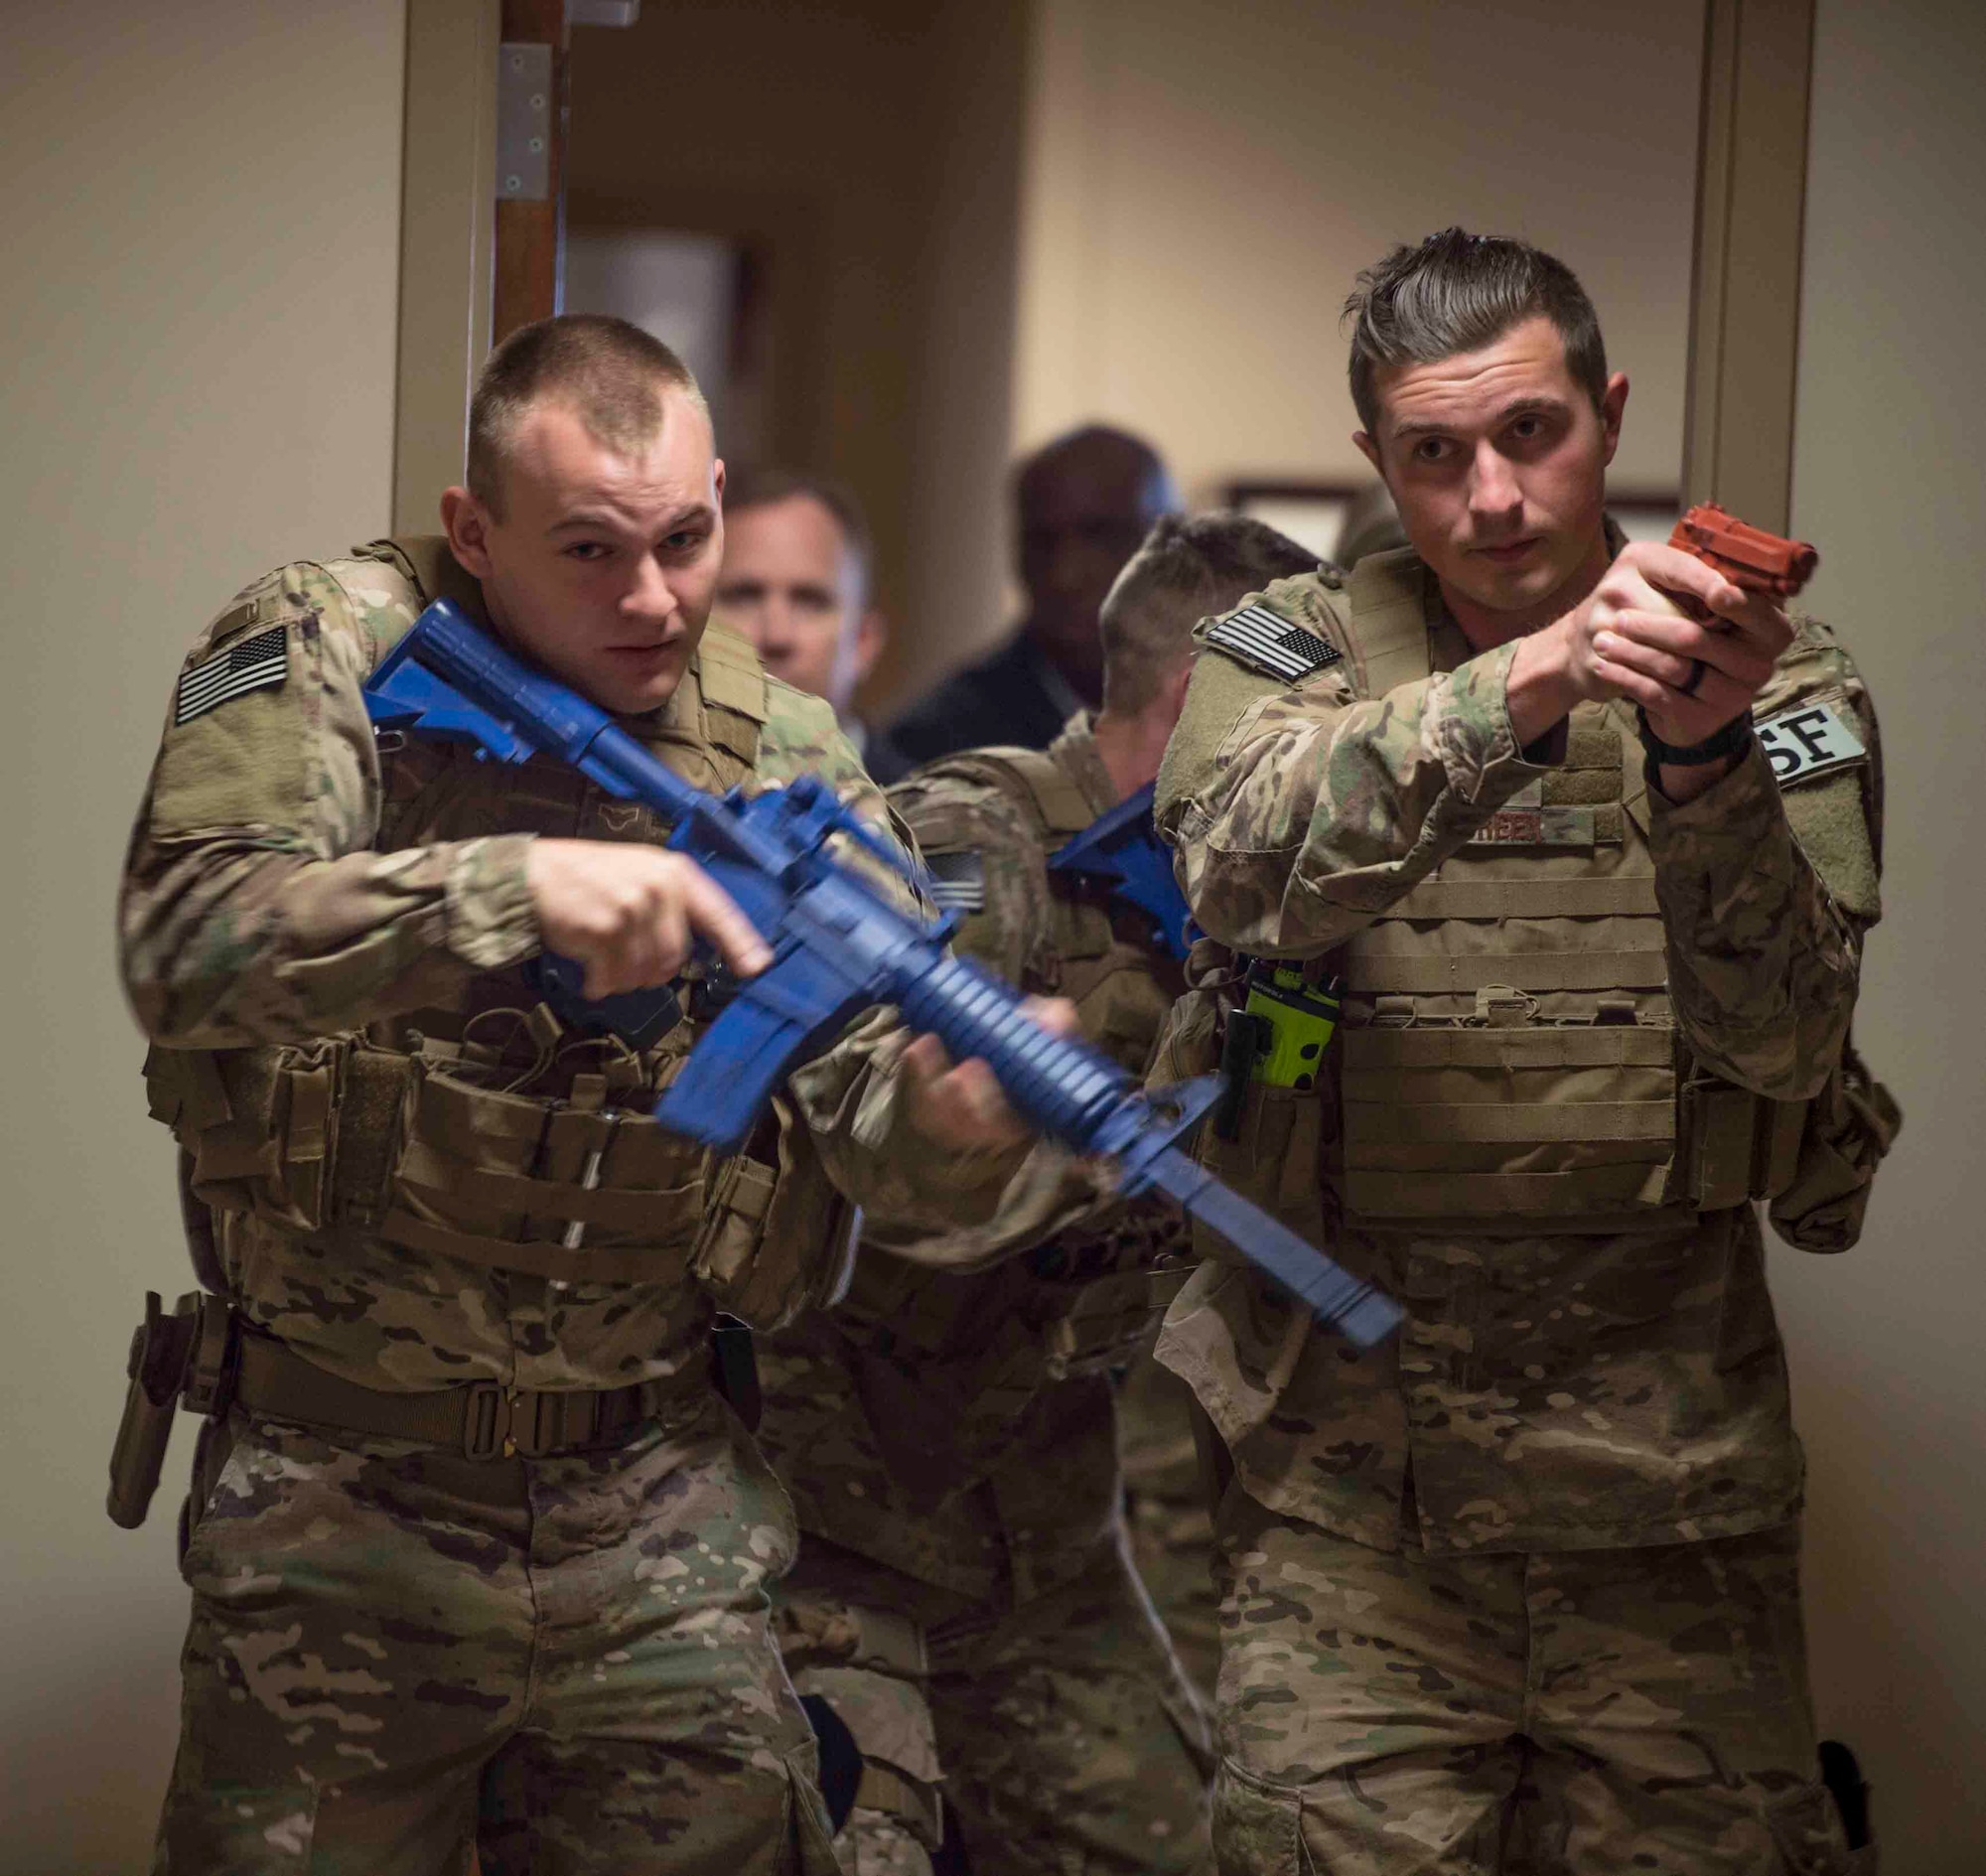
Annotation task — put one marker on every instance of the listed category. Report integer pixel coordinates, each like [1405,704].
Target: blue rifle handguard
[840,946]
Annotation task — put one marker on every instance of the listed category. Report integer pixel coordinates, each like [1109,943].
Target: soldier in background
[1519,1589]
[477,1548]
[1081,505]
[965,1598]
[798,582]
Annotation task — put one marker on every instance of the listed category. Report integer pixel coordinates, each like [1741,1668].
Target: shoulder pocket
[236,748]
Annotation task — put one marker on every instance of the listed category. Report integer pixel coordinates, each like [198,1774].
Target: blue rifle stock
[840,946]
[1123,849]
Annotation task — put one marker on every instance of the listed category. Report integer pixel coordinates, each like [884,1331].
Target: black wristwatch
[1734,739]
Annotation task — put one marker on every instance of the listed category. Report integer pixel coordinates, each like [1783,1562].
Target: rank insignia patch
[957,881]
[257,663]
[1267,642]
[1811,739]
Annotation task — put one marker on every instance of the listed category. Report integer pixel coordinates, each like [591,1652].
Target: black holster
[734,1369]
[187,1357]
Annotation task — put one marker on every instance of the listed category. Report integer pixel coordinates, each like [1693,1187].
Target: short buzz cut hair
[1188,568]
[611,373]
[758,486]
[1458,292]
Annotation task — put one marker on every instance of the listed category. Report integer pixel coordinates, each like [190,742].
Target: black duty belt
[205,1358]
[481,1419]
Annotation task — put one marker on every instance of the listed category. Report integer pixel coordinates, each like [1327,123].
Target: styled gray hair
[1458,292]
[1187,567]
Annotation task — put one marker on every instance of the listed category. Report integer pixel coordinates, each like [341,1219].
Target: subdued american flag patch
[1270,642]
[257,663]
[957,881]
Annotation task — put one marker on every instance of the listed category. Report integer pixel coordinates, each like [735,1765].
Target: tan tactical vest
[1507,1048]
[482,1129]
[1088,1300]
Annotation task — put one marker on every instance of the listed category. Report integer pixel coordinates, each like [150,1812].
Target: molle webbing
[354,1137]
[1032,776]
[1631,896]
[1389,598]
[495,1179]
[1379,973]
[1545,1121]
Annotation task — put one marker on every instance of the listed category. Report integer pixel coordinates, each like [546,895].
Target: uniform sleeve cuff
[1735,810]
[1485,764]
[491,921]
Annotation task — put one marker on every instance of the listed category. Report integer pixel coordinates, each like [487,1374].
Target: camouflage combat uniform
[965,1596]
[415,1188]
[1519,1588]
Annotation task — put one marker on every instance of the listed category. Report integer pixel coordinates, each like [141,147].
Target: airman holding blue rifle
[477,1550]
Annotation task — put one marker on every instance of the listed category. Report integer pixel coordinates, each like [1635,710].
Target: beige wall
[1887,1343]
[197,294]
[1202,181]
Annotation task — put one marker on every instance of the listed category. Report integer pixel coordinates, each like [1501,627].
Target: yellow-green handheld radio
[1277,1036]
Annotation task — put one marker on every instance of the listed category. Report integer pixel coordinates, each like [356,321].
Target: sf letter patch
[1809,740]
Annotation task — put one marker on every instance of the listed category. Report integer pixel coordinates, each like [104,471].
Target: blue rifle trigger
[640,1018]
[791,1009]
[1122,849]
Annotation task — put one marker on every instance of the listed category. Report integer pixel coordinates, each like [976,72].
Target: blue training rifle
[840,948]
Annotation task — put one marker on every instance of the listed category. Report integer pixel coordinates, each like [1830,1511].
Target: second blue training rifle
[1122,851]
[840,947]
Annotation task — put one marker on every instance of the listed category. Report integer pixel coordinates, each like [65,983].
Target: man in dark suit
[1082,503]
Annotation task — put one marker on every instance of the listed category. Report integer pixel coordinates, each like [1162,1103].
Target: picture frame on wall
[1311,513]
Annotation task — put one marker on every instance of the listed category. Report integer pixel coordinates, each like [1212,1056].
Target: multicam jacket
[417,1174]
[1579,1022]
[959,1428]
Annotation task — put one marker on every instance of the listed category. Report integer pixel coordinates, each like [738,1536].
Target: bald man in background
[1082,503]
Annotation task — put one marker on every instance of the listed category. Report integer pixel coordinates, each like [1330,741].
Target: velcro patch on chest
[1810,739]
[957,881]
[1267,642]
[1529,820]
[258,664]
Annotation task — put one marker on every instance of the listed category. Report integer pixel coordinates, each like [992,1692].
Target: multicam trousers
[1062,1732]
[1400,1714]
[1166,1508]
[397,1654]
